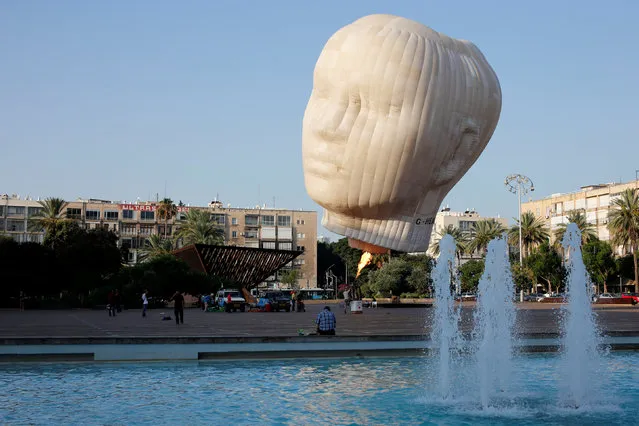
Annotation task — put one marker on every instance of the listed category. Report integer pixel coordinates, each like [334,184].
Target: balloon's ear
[467,140]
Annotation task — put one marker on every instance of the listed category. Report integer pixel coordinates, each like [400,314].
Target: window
[283,221]
[285,246]
[93,214]
[1,210]
[34,210]
[299,262]
[300,248]
[250,234]
[181,216]
[251,219]
[268,244]
[111,215]
[147,215]
[218,219]
[234,234]
[300,221]
[146,229]
[15,225]
[268,220]
[15,211]
[233,221]
[74,213]
[127,214]
[128,229]
[301,236]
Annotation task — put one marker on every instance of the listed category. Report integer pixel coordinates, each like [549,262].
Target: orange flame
[365,260]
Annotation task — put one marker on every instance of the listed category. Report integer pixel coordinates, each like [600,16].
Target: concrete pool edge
[224,348]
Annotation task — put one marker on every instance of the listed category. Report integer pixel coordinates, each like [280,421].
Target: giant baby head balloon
[397,115]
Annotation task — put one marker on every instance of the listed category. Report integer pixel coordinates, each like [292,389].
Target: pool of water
[326,391]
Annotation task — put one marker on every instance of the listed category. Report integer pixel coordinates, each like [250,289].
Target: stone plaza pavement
[532,318]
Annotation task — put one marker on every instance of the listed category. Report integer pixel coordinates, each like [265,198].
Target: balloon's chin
[367,247]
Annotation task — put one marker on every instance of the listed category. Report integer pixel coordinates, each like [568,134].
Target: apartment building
[594,200]
[461,220]
[134,222]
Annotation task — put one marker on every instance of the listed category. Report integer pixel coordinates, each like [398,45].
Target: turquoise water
[327,391]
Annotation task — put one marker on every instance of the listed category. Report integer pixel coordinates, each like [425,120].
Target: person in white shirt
[145,302]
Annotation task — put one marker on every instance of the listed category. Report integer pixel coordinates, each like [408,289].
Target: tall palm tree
[588,231]
[197,228]
[623,223]
[166,211]
[51,215]
[155,246]
[482,233]
[461,240]
[533,232]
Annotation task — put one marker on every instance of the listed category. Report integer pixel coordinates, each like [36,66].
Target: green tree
[392,278]
[461,240]
[533,233]
[350,259]
[166,211]
[483,232]
[290,278]
[469,275]
[523,277]
[50,217]
[588,231]
[197,228]
[420,280]
[599,261]
[623,223]
[155,246]
[547,266]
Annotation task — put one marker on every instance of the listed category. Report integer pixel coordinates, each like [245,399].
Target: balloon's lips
[364,246]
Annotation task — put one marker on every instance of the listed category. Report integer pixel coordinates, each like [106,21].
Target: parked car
[633,296]
[602,296]
[237,301]
[279,301]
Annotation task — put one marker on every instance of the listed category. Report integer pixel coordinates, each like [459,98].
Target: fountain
[445,326]
[494,319]
[581,359]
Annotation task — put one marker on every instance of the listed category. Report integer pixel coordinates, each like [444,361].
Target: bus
[315,293]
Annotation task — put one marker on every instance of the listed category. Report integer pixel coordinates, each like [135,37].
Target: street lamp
[517,184]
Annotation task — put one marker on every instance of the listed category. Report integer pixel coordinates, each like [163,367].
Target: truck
[237,301]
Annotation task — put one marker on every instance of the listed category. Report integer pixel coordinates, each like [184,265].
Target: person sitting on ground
[326,322]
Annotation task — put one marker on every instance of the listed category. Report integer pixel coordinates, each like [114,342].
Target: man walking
[326,322]
[145,303]
[111,303]
[178,307]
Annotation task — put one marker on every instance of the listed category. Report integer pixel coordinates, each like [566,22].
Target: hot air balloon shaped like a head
[397,115]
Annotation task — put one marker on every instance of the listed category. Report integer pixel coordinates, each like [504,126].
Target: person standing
[111,303]
[293,295]
[326,322]
[178,307]
[145,302]
[118,301]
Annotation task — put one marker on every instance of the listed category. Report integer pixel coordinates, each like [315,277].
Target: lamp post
[517,184]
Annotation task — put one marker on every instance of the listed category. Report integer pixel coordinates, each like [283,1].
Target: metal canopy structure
[245,266]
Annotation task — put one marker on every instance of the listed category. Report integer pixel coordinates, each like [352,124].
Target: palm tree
[50,216]
[197,228]
[623,223]
[533,232]
[166,211]
[482,233]
[588,231]
[155,246]
[461,240]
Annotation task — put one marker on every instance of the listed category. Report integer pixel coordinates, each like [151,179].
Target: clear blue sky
[113,99]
